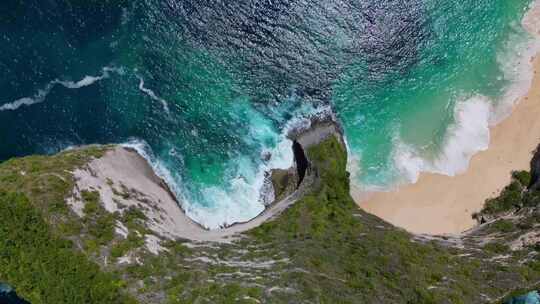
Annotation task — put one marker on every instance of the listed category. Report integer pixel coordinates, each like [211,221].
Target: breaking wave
[473,117]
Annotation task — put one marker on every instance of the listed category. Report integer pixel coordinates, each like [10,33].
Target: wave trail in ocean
[153,95]
[41,95]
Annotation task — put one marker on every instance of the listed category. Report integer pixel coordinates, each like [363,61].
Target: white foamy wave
[407,161]
[41,95]
[515,60]
[241,197]
[243,200]
[247,192]
[353,162]
[305,115]
[160,169]
[153,95]
[89,80]
[28,101]
[468,135]
[470,132]
[244,197]
[144,150]
[238,202]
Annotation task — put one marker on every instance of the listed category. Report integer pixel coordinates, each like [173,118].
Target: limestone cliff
[102,228]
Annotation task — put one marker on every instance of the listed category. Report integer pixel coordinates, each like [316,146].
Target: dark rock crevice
[301,161]
[534,184]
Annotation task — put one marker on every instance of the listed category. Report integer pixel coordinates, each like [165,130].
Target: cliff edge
[95,225]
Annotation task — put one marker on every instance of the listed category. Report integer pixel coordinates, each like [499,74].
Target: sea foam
[468,135]
[153,95]
[473,116]
[41,94]
[239,199]
[245,198]
[245,194]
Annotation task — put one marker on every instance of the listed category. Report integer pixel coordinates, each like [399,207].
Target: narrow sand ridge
[439,204]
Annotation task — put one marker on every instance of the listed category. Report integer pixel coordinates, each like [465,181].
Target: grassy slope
[45,268]
[35,254]
[321,250]
[353,257]
[511,215]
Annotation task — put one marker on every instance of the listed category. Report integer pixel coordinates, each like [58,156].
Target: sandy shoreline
[440,204]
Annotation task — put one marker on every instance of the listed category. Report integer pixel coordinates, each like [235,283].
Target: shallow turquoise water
[531,298]
[462,60]
[204,90]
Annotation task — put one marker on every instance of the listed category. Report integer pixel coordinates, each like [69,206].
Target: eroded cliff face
[509,226]
[534,183]
[312,245]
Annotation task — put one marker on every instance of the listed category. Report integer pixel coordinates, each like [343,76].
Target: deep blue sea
[9,296]
[204,89]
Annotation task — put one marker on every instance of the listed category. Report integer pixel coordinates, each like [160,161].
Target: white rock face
[124,179]
[268,194]
[120,177]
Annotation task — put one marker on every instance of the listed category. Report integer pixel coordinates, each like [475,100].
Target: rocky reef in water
[77,230]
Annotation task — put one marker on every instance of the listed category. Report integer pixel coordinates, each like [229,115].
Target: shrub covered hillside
[323,249]
[36,255]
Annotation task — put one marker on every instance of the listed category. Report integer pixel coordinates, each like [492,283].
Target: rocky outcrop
[120,174]
[535,171]
[301,162]
[312,131]
[284,182]
[313,245]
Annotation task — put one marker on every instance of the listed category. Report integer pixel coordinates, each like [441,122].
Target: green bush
[509,199]
[503,226]
[44,268]
[496,247]
[523,177]
[91,202]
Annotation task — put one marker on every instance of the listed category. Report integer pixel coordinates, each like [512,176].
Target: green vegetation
[347,260]
[36,256]
[98,222]
[523,177]
[323,249]
[45,268]
[497,248]
[46,180]
[349,256]
[134,220]
[513,196]
[283,182]
[510,198]
[92,204]
[504,226]
[122,247]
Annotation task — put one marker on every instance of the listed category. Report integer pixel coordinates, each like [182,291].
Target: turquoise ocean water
[205,90]
[532,297]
